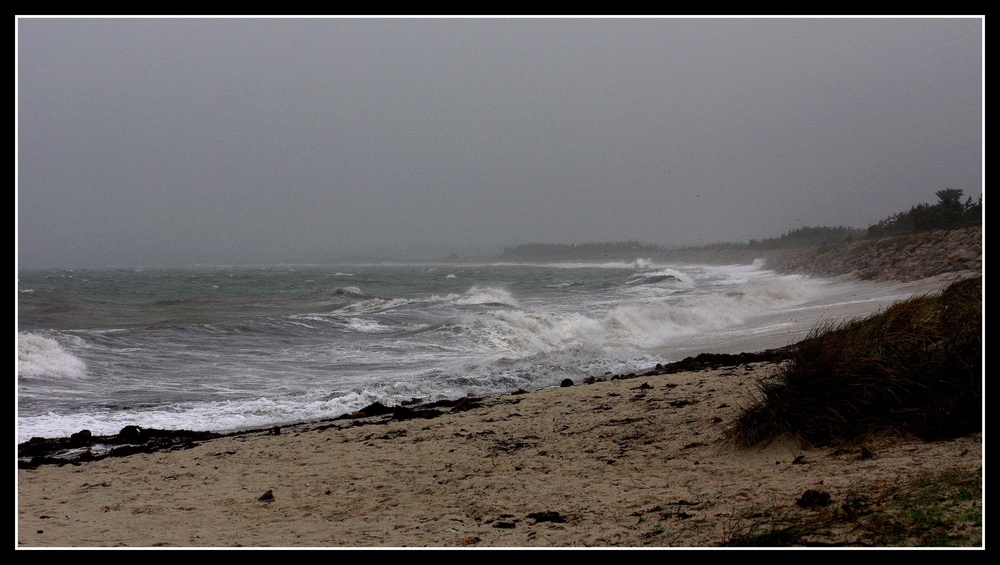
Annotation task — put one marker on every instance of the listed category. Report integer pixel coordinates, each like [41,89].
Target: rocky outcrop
[902,258]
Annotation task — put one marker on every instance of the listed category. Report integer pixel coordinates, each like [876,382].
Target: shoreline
[630,462]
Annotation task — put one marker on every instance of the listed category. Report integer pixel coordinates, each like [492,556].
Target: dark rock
[466,403]
[404,413]
[266,497]
[548,516]
[566,383]
[132,439]
[375,409]
[131,434]
[813,498]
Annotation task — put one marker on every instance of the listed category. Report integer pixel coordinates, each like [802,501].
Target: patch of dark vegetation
[928,511]
[915,368]
[948,214]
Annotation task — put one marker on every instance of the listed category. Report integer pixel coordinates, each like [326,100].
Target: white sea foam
[487,295]
[373,305]
[508,329]
[39,357]
[367,326]
[348,290]
[520,333]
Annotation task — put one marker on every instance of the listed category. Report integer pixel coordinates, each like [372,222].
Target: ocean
[229,348]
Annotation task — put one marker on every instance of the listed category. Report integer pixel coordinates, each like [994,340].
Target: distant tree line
[949,213]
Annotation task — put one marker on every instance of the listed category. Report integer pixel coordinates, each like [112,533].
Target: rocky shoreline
[903,258]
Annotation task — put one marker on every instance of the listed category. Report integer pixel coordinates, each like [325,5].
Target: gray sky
[173,141]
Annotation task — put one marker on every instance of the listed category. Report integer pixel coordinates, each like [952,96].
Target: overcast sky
[235,141]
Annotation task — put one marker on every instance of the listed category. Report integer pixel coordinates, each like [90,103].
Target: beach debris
[266,497]
[718,360]
[276,431]
[469,540]
[404,413]
[508,445]
[566,383]
[84,446]
[812,498]
[547,516]
[800,460]
[466,403]
[374,409]
[130,434]
[643,386]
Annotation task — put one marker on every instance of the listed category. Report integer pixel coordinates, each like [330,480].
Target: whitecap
[39,357]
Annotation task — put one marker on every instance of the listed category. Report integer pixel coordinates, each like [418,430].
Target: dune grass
[915,368]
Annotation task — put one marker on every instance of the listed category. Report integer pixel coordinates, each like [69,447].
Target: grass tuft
[928,511]
[914,368]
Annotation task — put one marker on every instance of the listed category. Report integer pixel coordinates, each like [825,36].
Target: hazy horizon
[182,141]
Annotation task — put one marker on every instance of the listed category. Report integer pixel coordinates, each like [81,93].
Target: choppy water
[226,348]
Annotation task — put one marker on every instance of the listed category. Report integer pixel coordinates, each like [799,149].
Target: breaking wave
[41,357]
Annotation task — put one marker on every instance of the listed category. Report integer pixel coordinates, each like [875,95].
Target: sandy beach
[632,462]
